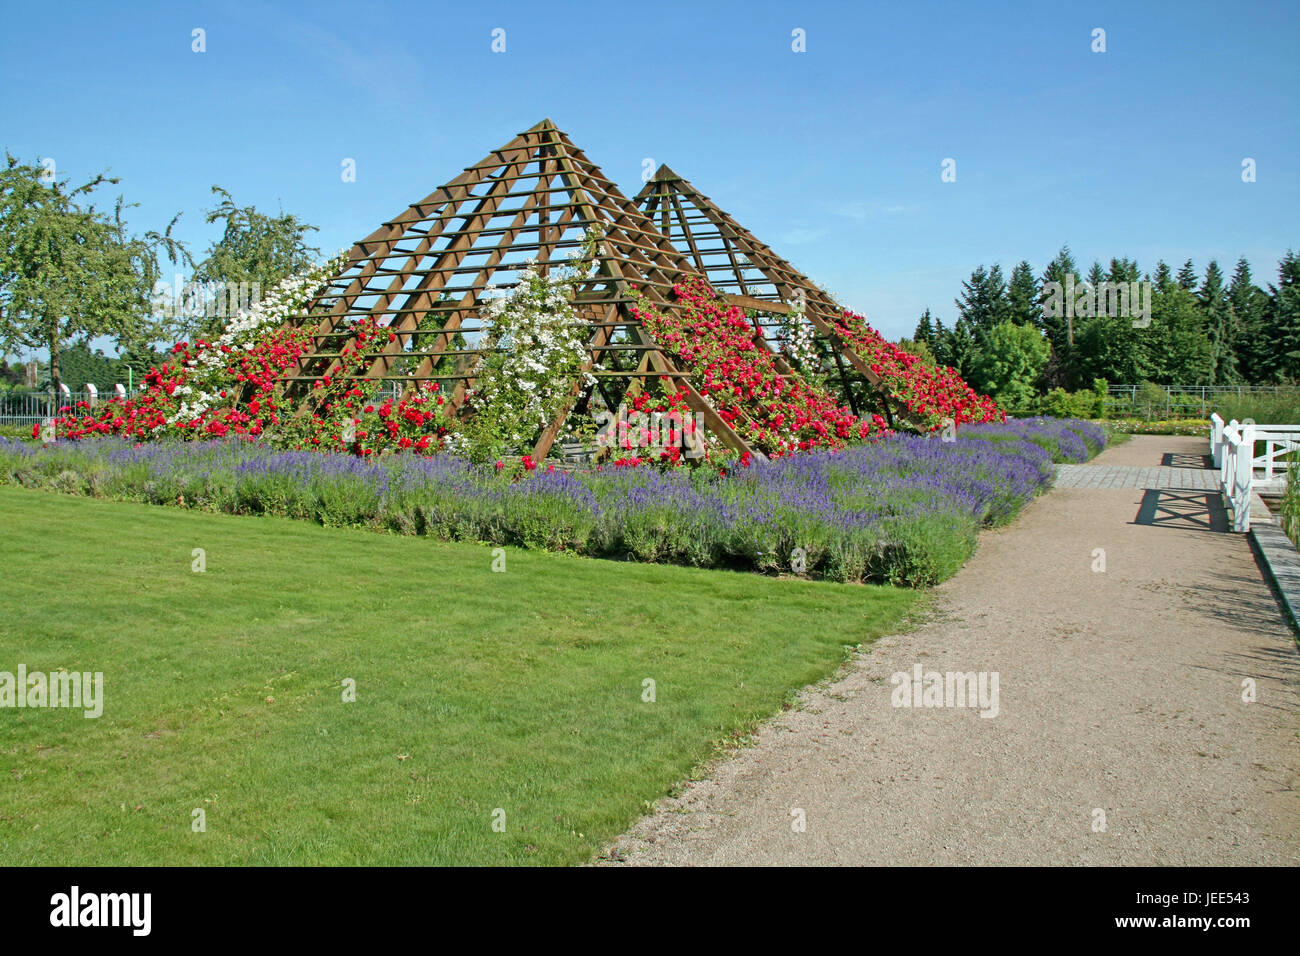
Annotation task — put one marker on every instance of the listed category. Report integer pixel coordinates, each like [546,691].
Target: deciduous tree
[69,271]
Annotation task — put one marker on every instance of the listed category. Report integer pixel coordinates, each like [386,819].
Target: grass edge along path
[476,691]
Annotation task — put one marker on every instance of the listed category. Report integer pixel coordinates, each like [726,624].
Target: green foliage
[14,377]
[1249,306]
[983,303]
[925,330]
[919,348]
[1111,348]
[1284,320]
[1220,326]
[82,366]
[1282,408]
[1289,507]
[1162,277]
[1150,401]
[70,271]
[1057,328]
[1180,351]
[1009,364]
[956,348]
[1058,403]
[1201,330]
[535,358]
[255,247]
[1023,296]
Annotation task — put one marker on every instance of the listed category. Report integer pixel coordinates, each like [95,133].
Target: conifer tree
[1123,270]
[942,344]
[1284,319]
[1058,329]
[1163,278]
[925,330]
[983,303]
[1219,326]
[961,347]
[1023,296]
[1096,276]
[1249,305]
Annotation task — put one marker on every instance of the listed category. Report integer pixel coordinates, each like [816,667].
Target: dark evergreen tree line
[1193,329]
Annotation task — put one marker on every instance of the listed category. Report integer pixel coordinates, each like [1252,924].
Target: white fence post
[1243,478]
[93,391]
[1227,455]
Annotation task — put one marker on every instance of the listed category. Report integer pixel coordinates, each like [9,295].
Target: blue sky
[832,156]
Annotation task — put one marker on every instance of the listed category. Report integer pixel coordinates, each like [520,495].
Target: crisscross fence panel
[26,408]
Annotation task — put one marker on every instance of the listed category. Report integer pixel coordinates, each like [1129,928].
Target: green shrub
[1289,511]
[1058,403]
[1151,401]
[922,551]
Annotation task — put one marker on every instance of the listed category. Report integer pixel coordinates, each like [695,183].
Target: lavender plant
[905,510]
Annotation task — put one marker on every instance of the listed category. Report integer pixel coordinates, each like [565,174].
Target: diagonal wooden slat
[533,198]
[680,205]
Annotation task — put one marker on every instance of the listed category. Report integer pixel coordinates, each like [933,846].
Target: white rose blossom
[247,328]
[536,347]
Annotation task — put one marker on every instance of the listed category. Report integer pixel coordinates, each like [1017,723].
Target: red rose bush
[930,396]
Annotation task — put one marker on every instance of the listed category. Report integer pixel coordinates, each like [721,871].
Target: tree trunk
[55,377]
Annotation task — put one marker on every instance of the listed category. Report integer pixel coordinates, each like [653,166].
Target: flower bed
[775,413]
[229,387]
[1066,439]
[905,509]
[1142,426]
[930,394]
[532,363]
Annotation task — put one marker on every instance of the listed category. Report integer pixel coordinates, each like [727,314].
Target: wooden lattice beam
[762,280]
[533,197]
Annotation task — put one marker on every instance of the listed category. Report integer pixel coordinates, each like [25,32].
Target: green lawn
[475,690]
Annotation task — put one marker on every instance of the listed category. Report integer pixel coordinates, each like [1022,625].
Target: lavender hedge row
[904,510]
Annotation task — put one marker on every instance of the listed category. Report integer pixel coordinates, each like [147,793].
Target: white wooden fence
[24,408]
[1241,471]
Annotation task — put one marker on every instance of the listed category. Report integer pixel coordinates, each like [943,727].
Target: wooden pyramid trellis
[430,267]
[750,274]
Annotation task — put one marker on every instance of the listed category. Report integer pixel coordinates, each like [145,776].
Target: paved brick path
[1129,476]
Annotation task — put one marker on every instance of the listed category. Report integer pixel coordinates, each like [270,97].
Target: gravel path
[1119,691]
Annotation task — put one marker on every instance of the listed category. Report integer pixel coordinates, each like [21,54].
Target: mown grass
[475,690]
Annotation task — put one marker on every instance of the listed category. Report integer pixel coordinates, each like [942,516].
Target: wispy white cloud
[859,211]
[801,236]
[366,60]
